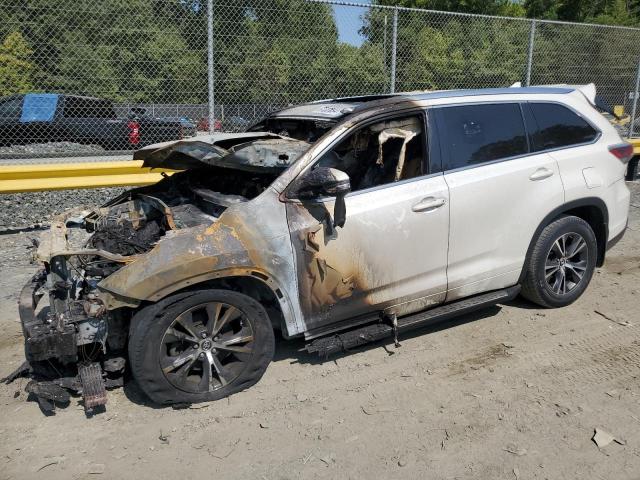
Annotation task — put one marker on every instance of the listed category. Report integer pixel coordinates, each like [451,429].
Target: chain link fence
[120,74]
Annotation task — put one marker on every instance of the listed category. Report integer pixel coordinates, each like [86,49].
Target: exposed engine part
[94,392]
[93,330]
[114,365]
[134,222]
[47,342]
[79,330]
[128,228]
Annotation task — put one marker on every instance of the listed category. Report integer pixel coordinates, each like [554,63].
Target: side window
[558,126]
[381,153]
[78,107]
[75,107]
[104,109]
[474,134]
[11,108]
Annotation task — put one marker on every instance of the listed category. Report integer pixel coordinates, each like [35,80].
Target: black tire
[535,286]
[151,342]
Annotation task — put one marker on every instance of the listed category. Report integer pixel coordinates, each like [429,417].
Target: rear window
[559,126]
[79,107]
[475,134]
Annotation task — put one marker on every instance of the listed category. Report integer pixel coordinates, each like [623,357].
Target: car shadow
[523,303]
[294,350]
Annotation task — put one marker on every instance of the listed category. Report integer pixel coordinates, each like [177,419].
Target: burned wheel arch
[256,284]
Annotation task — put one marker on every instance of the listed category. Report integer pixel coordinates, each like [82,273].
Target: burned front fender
[181,258]
[250,239]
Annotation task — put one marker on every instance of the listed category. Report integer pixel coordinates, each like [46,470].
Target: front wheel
[200,346]
[561,264]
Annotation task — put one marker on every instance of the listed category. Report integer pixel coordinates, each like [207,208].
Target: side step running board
[347,340]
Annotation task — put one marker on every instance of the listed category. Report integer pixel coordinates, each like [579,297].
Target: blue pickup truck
[51,117]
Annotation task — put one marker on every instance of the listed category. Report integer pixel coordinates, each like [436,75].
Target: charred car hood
[250,151]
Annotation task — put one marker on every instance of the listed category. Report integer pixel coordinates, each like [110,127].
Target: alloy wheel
[566,263]
[206,347]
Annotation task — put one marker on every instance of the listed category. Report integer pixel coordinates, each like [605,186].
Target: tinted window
[475,134]
[11,107]
[558,126]
[78,107]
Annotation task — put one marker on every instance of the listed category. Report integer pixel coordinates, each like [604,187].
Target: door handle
[428,203]
[541,174]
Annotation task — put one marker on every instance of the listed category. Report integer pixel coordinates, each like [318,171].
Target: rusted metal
[94,392]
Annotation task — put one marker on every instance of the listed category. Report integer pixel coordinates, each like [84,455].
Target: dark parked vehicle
[49,117]
[235,123]
[203,125]
[189,128]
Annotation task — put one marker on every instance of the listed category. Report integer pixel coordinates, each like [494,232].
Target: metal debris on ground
[624,323]
[513,448]
[603,438]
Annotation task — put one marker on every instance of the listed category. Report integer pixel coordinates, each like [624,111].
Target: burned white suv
[343,221]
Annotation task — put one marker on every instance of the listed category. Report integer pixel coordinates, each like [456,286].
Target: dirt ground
[511,392]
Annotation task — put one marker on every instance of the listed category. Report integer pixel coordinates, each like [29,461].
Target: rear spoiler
[589,92]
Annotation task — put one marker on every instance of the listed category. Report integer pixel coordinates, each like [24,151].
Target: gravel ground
[510,392]
[33,210]
[50,148]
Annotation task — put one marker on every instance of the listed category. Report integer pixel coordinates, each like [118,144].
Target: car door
[499,192]
[11,130]
[391,252]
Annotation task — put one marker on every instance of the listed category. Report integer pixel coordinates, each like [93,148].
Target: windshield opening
[306,130]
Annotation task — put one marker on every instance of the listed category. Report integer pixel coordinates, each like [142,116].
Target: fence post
[636,94]
[532,39]
[210,77]
[394,41]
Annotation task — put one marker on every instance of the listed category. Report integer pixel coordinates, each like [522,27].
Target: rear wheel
[561,264]
[200,346]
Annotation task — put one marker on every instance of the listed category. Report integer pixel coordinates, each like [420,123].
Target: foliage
[288,51]
[16,68]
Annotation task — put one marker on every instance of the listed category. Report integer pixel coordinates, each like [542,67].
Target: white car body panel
[495,210]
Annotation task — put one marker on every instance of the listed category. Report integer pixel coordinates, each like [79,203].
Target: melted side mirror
[326,182]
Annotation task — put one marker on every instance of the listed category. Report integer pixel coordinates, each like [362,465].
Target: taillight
[134,133]
[622,151]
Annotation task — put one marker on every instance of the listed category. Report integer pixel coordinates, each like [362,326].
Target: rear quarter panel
[592,171]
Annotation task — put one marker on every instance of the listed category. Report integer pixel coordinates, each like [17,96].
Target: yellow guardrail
[68,176]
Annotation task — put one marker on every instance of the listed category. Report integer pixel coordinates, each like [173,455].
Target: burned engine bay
[75,343]
[132,223]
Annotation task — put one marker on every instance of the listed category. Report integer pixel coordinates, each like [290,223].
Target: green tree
[287,51]
[16,68]
[486,7]
[611,12]
[125,50]
[441,51]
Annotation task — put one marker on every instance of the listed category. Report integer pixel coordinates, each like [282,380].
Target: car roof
[337,108]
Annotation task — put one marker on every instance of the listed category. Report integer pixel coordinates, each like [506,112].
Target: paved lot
[511,392]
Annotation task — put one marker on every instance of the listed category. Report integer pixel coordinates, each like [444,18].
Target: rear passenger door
[499,191]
